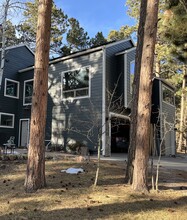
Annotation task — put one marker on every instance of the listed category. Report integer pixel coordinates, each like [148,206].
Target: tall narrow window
[6,120]
[75,83]
[11,88]
[27,93]
[132,68]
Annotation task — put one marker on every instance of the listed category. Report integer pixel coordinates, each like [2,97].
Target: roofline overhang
[126,51]
[77,54]
[16,46]
[165,81]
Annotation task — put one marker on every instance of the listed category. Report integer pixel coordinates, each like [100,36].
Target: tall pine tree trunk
[35,176]
[148,22]
[181,129]
[3,39]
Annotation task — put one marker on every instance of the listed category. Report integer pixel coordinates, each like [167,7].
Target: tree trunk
[6,7]
[132,145]
[35,176]
[181,129]
[148,16]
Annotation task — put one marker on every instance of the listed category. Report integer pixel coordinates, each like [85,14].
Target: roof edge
[20,45]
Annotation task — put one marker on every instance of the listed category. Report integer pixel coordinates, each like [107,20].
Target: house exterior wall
[15,59]
[163,118]
[72,118]
[114,74]
[112,62]
[167,123]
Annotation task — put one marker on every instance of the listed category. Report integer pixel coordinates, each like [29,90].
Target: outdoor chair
[9,145]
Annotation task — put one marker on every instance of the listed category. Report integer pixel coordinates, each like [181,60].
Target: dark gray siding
[15,59]
[130,57]
[112,62]
[167,115]
[120,72]
[71,119]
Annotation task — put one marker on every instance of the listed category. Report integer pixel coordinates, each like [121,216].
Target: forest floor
[72,196]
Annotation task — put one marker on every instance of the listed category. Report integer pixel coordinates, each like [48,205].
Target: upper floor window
[6,120]
[75,83]
[132,69]
[168,95]
[27,92]
[11,88]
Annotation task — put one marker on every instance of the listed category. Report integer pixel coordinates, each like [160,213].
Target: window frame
[9,114]
[166,87]
[29,80]
[74,90]
[5,88]
[131,82]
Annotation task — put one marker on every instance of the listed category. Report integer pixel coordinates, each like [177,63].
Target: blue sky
[97,15]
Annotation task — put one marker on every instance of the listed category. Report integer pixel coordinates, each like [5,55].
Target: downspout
[125,81]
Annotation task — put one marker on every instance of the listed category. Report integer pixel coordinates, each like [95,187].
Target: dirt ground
[72,196]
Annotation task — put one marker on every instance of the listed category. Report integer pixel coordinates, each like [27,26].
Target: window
[6,120]
[11,88]
[168,95]
[132,68]
[75,83]
[27,93]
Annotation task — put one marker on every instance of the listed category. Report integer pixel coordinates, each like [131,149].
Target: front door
[24,132]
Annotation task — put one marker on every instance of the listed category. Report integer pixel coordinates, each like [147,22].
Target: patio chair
[10,144]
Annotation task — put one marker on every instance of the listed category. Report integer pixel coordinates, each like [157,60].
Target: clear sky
[97,15]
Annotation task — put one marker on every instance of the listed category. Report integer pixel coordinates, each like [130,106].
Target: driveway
[179,162]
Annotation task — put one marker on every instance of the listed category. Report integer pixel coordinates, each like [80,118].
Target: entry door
[24,132]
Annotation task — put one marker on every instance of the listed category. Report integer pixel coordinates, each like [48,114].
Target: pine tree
[142,104]
[99,39]
[35,176]
[76,37]
[27,29]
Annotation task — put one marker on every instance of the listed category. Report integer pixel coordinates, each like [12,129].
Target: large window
[168,95]
[11,88]
[27,93]
[6,120]
[75,83]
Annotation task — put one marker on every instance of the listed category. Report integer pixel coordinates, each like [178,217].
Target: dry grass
[70,196]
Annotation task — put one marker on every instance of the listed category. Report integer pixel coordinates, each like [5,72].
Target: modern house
[89,99]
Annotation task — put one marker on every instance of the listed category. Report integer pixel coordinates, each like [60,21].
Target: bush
[75,147]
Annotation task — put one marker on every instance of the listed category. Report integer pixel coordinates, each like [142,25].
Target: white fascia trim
[104,104]
[112,114]
[26,69]
[125,81]
[126,51]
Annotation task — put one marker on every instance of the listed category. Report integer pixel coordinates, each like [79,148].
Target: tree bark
[148,21]
[6,7]
[138,58]
[35,176]
[181,129]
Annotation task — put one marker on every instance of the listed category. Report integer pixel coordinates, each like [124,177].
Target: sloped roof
[82,52]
